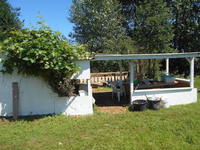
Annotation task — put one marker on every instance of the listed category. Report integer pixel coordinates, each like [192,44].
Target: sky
[54,12]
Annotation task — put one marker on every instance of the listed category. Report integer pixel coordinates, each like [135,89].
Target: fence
[100,78]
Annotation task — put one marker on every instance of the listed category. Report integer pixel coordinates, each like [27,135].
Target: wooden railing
[99,78]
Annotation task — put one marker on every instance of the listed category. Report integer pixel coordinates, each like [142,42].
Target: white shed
[36,97]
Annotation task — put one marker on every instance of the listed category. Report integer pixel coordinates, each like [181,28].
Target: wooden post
[120,67]
[15,94]
[192,72]
[89,88]
[167,66]
[131,80]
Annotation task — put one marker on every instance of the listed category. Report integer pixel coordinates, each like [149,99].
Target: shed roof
[145,56]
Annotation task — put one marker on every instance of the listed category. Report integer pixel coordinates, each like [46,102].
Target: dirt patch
[112,109]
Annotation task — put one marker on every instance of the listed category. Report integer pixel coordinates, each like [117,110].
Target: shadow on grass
[26,118]
[105,99]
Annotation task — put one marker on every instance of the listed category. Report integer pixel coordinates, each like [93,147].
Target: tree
[186,25]
[152,30]
[99,25]
[186,14]
[128,11]
[9,18]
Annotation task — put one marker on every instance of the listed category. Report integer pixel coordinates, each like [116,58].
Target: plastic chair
[118,89]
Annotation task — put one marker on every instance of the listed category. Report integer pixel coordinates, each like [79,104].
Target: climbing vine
[43,53]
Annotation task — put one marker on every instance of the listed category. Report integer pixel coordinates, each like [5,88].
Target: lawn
[104,89]
[177,127]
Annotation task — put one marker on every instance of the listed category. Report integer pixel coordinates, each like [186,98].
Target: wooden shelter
[172,96]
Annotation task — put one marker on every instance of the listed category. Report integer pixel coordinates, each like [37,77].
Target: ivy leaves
[42,53]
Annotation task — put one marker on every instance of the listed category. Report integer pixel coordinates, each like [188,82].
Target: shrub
[43,53]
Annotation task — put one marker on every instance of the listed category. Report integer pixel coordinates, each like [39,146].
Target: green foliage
[152,30]
[9,18]
[42,53]
[184,21]
[99,25]
[156,26]
[152,26]
[186,14]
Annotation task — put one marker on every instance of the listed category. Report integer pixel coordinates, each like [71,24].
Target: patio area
[174,91]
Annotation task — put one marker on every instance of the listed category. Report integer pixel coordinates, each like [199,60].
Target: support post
[167,66]
[120,67]
[131,80]
[192,72]
[15,95]
[89,88]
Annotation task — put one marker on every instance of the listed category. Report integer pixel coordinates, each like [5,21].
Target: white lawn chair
[118,89]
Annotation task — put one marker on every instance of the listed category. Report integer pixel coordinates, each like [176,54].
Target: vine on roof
[43,53]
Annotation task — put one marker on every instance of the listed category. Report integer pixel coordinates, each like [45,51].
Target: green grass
[197,85]
[102,89]
[173,128]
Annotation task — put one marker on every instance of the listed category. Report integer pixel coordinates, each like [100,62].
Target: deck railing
[98,78]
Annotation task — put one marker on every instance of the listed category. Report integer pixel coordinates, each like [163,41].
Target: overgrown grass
[173,128]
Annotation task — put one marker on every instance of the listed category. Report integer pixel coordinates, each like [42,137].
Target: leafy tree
[43,53]
[152,30]
[99,25]
[186,25]
[9,18]
[186,14]
[128,11]
[152,27]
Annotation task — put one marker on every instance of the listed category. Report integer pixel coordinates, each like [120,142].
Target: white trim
[192,72]
[144,56]
[131,76]
[89,88]
[164,89]
[181,79]
[167,66]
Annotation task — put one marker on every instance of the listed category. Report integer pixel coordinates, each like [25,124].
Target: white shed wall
[84,72]
[36,97]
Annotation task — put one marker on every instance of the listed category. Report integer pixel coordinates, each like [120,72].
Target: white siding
[84,72]
[36,97]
